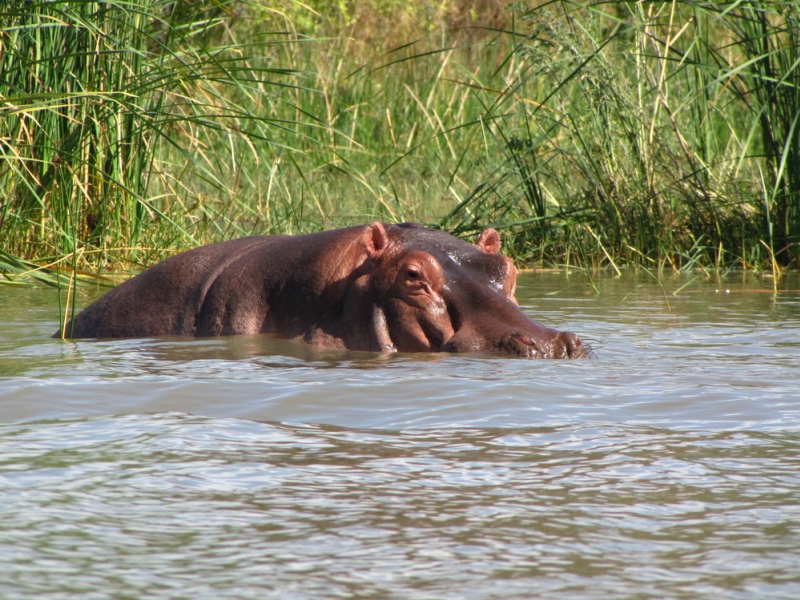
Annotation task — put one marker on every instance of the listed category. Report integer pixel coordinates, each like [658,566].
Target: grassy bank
[600,134]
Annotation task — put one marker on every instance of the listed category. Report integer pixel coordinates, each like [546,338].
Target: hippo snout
[564,345]
[558,344]
[521,345]
[569,345]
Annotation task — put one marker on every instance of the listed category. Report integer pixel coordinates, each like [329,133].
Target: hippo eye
[413,273]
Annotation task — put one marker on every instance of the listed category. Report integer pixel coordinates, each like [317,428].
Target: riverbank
[664,135]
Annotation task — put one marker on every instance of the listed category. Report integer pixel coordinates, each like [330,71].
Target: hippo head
[433,292]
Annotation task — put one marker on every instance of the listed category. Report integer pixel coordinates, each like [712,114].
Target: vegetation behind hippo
[590,134]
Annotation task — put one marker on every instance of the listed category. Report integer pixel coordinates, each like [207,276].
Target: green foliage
[119,118]
[630,130]
[769,83]
[589,133]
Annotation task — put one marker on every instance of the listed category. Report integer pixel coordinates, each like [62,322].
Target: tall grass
[770,84]
[590,133]
[659,132]
[109,109]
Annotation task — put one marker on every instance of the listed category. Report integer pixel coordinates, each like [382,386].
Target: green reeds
[769,82]
[590,133]
[640,131]
[119,119]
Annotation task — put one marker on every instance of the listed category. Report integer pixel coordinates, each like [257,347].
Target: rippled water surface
[249,467]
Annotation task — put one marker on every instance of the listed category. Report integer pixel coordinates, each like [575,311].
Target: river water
[249,467]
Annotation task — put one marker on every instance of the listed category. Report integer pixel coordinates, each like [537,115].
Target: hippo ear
[489,241]
[375,240]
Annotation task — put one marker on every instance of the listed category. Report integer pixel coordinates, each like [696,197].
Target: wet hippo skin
[377,287]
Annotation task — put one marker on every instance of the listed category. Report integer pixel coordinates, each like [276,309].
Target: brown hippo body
[377,287]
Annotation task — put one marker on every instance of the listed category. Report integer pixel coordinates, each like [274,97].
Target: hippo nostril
[573,347]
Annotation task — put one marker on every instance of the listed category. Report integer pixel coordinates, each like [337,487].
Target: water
[668,467]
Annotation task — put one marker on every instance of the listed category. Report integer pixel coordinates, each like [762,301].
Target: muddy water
[258,468]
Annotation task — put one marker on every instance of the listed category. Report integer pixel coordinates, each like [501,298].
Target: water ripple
[259,468]
[199,507]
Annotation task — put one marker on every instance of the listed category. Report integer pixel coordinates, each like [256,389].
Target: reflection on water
[255,467]
[201,507]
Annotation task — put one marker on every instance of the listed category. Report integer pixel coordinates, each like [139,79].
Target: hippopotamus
[378,287]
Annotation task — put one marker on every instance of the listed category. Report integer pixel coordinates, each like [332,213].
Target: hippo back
[163,300]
